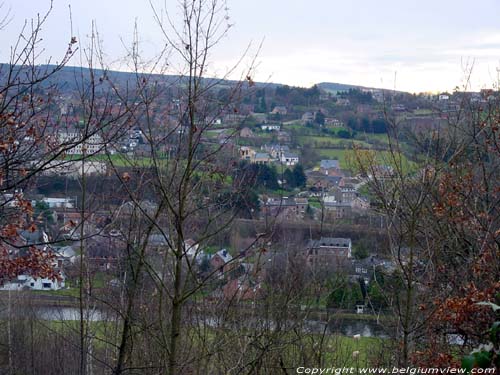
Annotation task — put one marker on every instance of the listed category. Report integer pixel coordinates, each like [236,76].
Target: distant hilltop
[67,74]
[335,87]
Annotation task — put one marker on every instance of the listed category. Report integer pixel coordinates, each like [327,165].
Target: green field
[371,137]
[336,154]
[346,158]
[335,350]
[329,141]
[423,112]
[118,160]
[211,134]
[340,349]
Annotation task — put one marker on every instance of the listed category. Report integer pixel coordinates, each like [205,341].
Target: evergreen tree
[319,118]
[300,178]
[289,177]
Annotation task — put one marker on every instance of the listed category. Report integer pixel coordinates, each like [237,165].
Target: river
[347,327]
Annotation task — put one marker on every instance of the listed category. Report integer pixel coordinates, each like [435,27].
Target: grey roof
[327,164]
[336,204]
[284,201]
[333,180]
[145,205]
[33,238]
[369,264]
[65,251]
[370,261]
[331,242]
[275,147]
[262,155]
[224,254]
[157,239]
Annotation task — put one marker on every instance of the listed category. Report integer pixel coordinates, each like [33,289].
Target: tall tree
[442,222]
[299,176]
[319,118]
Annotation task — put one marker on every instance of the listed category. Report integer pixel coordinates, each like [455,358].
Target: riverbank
[56,306]
[39,299]
[70,298]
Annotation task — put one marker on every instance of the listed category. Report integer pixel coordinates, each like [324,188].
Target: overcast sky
[410,45]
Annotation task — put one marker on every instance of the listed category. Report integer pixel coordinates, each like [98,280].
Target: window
[46,285]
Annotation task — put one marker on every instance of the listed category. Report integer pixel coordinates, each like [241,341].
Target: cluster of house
[242,277]
[76,143]
[336,194]
[329,174]
[218,261]
[28,281]
[245,281]
[284,208]
[333,122]
[335,254]
[269,154]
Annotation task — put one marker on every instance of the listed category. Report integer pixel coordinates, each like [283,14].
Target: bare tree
[433,251]
[184,177]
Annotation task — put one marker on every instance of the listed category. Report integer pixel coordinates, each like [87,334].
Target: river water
[347,327]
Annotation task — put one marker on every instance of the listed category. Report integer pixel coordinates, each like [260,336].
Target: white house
[275,150]
[74,168]
[75,140]
[45,284]
[271,127]
[288,158]
[336,123]
[191,248]
[330,199]
[65,253]
[57,202]
[29,282]
[327,247]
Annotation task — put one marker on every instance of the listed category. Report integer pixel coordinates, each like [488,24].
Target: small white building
[65,254]
[289,159]
[77,142]
[191,248]
[58,202]
[29,282]
[333,122]
[271,127]
[74,168]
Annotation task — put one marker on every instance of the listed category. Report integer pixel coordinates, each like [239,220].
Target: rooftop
[330,242]
[328,164]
